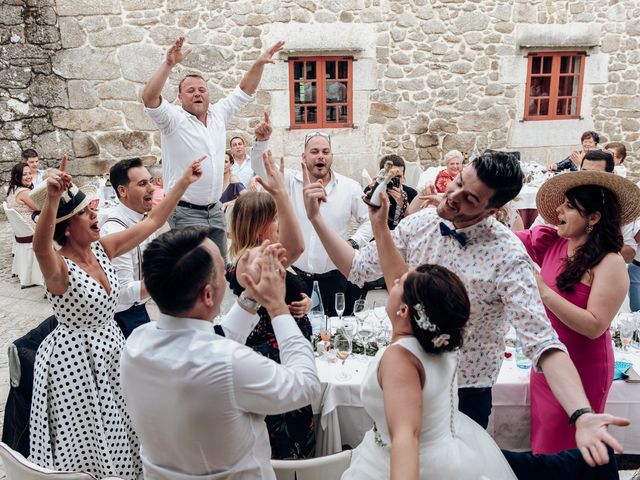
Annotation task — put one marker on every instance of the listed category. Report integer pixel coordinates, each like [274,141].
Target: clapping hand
[274,183]
[313,193]
[269,289]
[267,55]
[576,157]
[175,54]
[58,180]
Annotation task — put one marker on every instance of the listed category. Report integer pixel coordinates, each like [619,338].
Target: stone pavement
[23,309]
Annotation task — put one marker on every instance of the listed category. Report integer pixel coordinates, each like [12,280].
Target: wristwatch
[578,413]
[354,244]
[247,303]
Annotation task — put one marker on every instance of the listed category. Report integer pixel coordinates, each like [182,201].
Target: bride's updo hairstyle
[439,307]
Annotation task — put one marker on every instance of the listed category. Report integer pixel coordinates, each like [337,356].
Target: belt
[28,239]
[317,276]
[635,262]
[182,203]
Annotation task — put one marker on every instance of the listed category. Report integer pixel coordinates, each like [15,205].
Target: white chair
[19,468]
[320,468]
[428,177]
[412,173]
[24,265]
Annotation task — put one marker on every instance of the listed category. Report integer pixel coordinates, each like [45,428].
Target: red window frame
[308,78]
[554,85]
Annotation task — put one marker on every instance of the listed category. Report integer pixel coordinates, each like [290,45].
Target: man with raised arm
[463,235]
[194,128]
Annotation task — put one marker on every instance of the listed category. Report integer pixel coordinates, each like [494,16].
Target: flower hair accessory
[423,320]
[441,340]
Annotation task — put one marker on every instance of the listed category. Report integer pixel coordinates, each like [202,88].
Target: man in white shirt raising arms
[197,399]
[197,128]
[132,183]
[343,203]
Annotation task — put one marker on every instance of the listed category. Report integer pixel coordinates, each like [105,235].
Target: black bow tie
[450,232]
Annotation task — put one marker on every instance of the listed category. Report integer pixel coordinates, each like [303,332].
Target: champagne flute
[342,346]
[365,332]
[379,311]
[359,310]
[339,304]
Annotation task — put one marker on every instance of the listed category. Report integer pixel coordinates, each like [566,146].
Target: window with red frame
[554,85]
[321,92]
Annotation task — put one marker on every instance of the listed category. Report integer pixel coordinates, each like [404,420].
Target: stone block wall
[429,76]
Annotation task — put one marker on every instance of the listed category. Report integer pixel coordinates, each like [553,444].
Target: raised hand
[267,55]
[175,54]
[263,130]
[592,434]
[576,157]
[313,193]
[274,183]
[269,290]
[379,216]
[58,180]
[194,171]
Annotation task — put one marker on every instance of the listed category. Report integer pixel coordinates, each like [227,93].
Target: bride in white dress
[410,391]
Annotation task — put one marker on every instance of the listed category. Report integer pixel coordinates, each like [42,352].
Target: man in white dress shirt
[198,128]
[197,399]
[342,206]
[132,183]
[464,236]
[241,166]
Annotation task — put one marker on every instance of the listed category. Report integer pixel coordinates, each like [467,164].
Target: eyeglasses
[309,136]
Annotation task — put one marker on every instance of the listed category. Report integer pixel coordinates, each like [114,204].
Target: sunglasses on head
[309,136]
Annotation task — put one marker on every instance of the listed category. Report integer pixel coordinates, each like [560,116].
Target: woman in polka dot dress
[78,415]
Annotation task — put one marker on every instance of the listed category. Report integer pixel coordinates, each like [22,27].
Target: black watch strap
[354,244]
[578,413]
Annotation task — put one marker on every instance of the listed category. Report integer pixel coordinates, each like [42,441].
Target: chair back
[320,468]
[18,225]
[19,468]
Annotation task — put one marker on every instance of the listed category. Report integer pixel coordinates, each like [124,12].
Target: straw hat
[552,192]
[72,200]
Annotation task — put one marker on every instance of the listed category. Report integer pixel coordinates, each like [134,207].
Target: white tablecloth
[343,420]
[526,199]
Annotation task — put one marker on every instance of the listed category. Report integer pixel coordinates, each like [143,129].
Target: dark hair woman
[20,185]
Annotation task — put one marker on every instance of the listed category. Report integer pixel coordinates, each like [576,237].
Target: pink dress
[550,429]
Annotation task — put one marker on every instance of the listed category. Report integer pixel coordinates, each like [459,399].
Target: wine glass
[349,327]
[365,332]
[359,310]
[626,325]
[342,345]
[339,304]
[379,311]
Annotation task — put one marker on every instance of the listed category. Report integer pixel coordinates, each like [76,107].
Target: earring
[399,313]
[589,229]
[66,233]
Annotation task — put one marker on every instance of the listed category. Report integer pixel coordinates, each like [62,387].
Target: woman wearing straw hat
[582,283]
[78,416]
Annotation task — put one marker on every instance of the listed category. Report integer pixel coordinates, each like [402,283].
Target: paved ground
[23,309]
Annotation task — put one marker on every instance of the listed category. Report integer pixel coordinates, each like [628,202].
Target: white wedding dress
[452,446]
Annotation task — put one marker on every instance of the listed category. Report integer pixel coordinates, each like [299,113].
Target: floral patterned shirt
[500,281]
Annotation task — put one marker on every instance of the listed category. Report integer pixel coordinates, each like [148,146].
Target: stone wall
[429,75]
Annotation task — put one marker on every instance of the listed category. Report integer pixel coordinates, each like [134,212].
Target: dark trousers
[565,465]
[475,403]
[130,319]
[331,283]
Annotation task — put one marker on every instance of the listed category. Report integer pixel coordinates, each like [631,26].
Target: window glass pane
[544,106]
[342,111]
[572,106]
[312,116]
[299,114]
[533,107]
[336,92]
[297,70]
[576,64]
[540,86]
[562,106]
[546,66]
[330,70]
[343,69]
[568,86]
[536,62]
[304,92]
[331,113]
[311,70]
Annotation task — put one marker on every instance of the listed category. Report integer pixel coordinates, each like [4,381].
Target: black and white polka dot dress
[78,415]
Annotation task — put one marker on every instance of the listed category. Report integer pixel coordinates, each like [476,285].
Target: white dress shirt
[244,172]
[344,203]
[128,265]
[184,138]
[499,276]
[38,177]
[198,400]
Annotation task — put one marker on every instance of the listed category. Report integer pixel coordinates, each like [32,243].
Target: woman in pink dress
[582,283]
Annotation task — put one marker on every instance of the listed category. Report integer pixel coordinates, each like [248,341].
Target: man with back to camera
[198,399]
[463,235]
[132,183]
[196,128]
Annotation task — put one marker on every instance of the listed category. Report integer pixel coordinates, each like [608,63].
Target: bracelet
[247,303]
[578,413]
[354,244]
